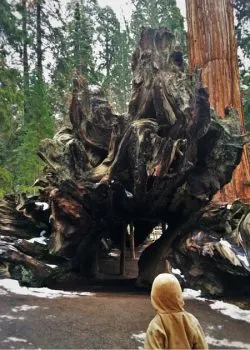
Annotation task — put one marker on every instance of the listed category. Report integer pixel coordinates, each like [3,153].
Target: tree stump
[162,162]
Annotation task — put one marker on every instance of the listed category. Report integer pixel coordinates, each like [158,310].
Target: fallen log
[160,163]
[214,257]
[13,222]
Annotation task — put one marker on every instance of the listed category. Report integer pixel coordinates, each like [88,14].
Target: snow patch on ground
[14,287]
[11,318]
[139,337]
[227,309]
[228,344]
[211,328]
[231,310]
[192,294]
[3,292]
[24,308]
[48,317]
[16,340]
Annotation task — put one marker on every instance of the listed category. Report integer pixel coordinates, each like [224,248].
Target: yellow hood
[166,294]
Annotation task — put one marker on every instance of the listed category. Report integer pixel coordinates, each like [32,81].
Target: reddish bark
[212,46]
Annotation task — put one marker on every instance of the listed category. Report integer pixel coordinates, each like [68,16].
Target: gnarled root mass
[161,162]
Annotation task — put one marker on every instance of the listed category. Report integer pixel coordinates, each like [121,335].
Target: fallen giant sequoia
[160,163]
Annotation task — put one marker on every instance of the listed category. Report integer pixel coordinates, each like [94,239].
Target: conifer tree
[74,52]
[39,126]
[11,97]
[121,71]
[11,112]
[157,13]
[38,122]
[108,38]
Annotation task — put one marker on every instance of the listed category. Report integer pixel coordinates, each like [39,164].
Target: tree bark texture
[212,47]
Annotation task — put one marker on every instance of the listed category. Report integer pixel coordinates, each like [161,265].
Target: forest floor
[112,314]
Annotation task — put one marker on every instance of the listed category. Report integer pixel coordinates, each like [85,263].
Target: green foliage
[121,71]
[11,108]
[157,13]
[11,101]
[79,43]
[114,57]
[73,53]
[107,29]
[39,126]
[6,181]
[10,34]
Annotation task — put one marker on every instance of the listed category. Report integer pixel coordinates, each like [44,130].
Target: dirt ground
[101,321]
[115,316]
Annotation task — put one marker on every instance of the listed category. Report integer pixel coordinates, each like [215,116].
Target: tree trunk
[132,240]
[212,47]
[14,222]
[39,52]
[25,59]
[77,50]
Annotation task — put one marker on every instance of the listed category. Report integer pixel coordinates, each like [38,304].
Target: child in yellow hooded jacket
[172,327]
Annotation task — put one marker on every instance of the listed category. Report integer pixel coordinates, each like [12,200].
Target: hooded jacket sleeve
[155,336]
[199,338]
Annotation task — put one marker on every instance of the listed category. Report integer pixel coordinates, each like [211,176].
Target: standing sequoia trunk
[212,47]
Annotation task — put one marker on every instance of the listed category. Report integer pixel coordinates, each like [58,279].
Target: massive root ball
[161,162]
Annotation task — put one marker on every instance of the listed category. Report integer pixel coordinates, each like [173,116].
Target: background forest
[43,45]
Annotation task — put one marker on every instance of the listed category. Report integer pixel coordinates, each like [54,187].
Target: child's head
[166,294]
